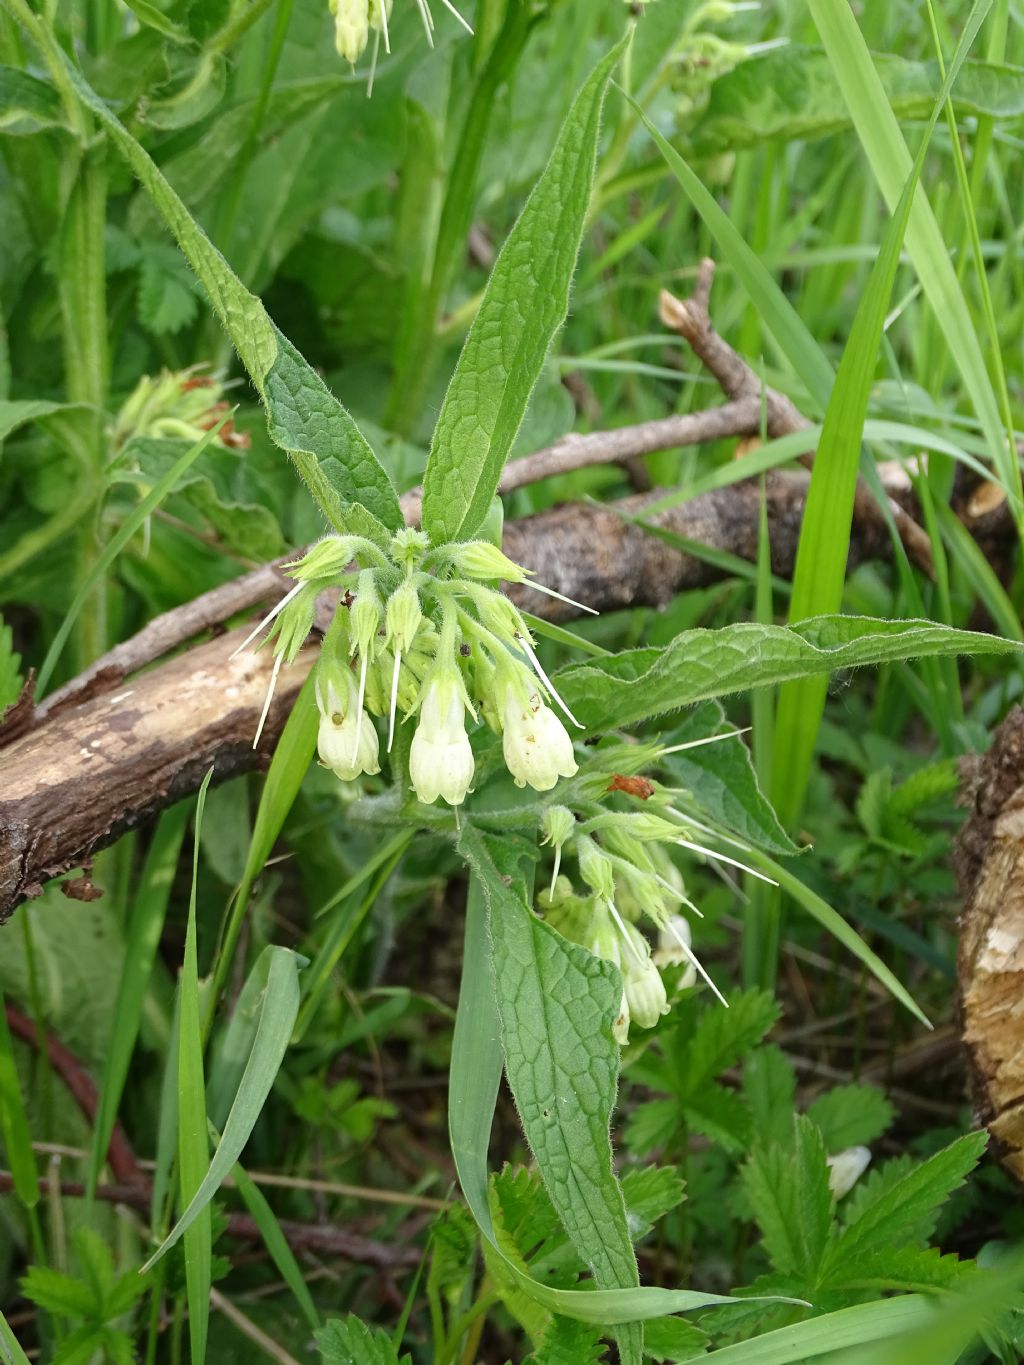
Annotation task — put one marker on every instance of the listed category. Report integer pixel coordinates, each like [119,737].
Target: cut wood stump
[990,966]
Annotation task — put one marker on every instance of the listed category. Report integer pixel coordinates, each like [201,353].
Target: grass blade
[193,1142]
[143,937]
[17,1137]
[280,1005]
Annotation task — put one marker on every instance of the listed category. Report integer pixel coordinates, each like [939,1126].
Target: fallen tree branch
[97,767]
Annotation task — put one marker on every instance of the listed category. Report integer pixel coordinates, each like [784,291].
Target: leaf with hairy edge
[525,303]
[349,1341]
[639,683]
[343,474]
[473,1091]
[557,1004]
[788,1189]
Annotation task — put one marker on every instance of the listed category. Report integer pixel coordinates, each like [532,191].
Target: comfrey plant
[420,631]
[422,635]
[355,20]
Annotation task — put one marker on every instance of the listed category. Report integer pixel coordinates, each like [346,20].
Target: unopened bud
[595,868]
[403,616]
[481,559]
[351,27]
[326,559]
[846,1168]
[365,613]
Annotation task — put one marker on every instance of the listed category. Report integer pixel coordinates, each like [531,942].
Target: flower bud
[536,745]
[380,13]
[441,759]
[403,616]
[846,1168]
[294,623]
[556,825]
[595,868]
[641,981]
[351,27]
[365,614]
[481,559]
[408,546]
[327,559]
[497,613]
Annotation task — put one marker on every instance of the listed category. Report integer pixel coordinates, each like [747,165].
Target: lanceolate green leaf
[867,1322]
[306,420]
[473,1090]
[279,969]
[557,1004]
[639,683]
[525,303]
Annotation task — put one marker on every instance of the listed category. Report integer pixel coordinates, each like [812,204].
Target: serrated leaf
[769,1084]
[850,1116]
[167,300]
[722,1037]
[568,1342]
[557,1004]
[56,1292]
[349,1341]
[900,1211]
[788,1189]
[722,780]
[640,683]
[524,305]
[304,418]
[906,1268]
[649,1192]
[674,1339]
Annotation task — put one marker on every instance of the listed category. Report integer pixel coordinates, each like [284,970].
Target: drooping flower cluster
[423,633]
[355,20]
[180,405]
[629,876]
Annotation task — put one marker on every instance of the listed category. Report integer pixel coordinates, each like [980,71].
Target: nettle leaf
[851,1116]
[524,304]
[912,1269]
[568,1342]
[55,1292]
[349,1341]
[769,1084]
[336,461]
[649,1192]
[903,1209]
[673,1339]
[722,780]
[697,1045]
[167,290]
[788,1190]
[699,664]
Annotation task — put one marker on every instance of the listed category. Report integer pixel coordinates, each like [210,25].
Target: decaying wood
[990,964]
[77,782]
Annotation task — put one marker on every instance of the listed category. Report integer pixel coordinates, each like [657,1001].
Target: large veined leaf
[792,93]
[473,1090]
[305,419]
[639,683]
[525,303]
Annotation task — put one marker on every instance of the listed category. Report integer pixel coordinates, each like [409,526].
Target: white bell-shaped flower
[346,741]
[441,759]
[537,747]
[846,1168]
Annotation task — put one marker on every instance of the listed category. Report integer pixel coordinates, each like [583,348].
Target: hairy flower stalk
[422,634]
